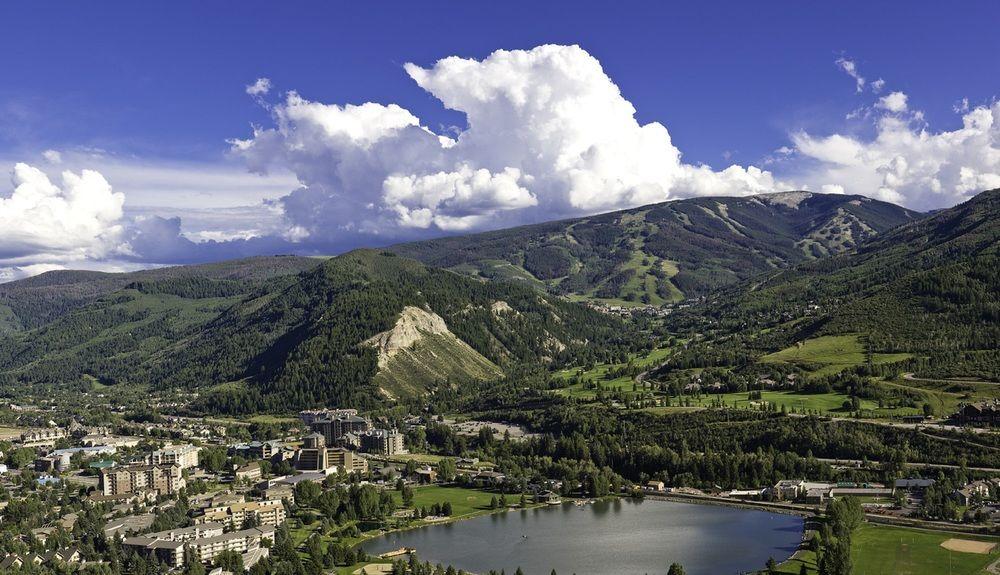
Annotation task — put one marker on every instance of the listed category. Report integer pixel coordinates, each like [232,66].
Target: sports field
[886,550]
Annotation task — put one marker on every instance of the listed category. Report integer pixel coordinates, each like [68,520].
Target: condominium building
[308,416]
[312,456]
[249,472]
[168,546]
[184,456]
[164,479]
[42,437]
[335,427]
[257,449]
[346,460]
[235,515]
[382,441]
[242,542]
[205,541]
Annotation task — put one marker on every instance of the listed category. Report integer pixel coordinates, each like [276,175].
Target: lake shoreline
[533,537]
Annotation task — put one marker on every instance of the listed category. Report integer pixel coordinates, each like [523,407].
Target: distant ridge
[670,251]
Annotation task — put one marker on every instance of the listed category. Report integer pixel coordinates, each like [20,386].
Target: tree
[676,569]
[212,459]
[191,564]
[447,469]
[306,493]
[230,561]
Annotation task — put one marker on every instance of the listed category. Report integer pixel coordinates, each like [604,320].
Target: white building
[184,456]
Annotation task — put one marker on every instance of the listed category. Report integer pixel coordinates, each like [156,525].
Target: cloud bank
[44,222]
[902,161]
[547,135]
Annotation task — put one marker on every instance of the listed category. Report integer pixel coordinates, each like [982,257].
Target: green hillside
[930,290]
[666,252]
[305,340]
[35,301]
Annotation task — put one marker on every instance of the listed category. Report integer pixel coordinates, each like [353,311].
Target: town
[181,492]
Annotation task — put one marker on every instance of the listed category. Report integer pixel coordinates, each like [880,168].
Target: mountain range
[670,251]
[372,326]
[929,289]
[354,329]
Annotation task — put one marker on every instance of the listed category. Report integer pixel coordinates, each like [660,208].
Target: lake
[608,537]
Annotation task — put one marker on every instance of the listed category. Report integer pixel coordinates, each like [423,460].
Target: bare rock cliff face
[413,324]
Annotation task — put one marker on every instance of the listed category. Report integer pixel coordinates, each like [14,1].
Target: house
[387,473]
[423,476]
[984,413]
[11,563]
[550,497]
[654,485]
[975,490]
[913,485]
[488,479]
[42,534]
[67,555]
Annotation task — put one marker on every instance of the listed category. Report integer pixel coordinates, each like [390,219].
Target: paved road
[858,462]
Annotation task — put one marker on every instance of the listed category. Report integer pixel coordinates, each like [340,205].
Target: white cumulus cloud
[907,163]
[548,134]
[850,68]
[42,221]
[894,102]
[260,87]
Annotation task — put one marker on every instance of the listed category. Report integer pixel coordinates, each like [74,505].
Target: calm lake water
[609,537]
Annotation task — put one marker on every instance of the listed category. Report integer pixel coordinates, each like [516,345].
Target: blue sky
[148,95]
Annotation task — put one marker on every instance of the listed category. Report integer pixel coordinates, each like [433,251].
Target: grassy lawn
[10,432]
[833,353]
[879,549]
[945,396]
[885,550]
[463,501]
[273,419]
[600,371]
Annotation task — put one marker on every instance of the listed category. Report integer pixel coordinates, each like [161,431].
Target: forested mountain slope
[930,288]
[33,302]
[670,251]
[308,339]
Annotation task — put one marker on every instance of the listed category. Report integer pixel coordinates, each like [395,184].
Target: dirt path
[913,377]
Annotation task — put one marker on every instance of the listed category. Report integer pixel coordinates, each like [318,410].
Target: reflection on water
[618,536]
